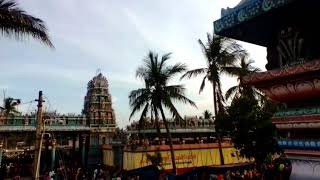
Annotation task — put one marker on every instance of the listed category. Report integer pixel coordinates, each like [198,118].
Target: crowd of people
[76,174]
[279,168]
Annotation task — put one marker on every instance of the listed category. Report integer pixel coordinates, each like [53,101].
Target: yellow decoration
[108,157]
[184,158]
[281,167]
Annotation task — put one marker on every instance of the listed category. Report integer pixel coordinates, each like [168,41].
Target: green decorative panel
[298,112]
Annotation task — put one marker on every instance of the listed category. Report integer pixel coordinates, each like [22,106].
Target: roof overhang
[257,21]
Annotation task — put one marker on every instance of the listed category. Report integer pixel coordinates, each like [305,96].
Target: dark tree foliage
[155,159]
[207,114]
[240,70]
[248,122]
[10,106]
[220,52]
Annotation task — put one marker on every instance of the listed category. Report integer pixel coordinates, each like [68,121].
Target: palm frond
[10,105]
[245,68]
[136,94]
[138,99]
[170,71]
[205,51]
[202,84]
[225,58]
[194,73]
[143,117]
[141,73]
[231,92]
[169,105]
[14,111]
[16,22]
[233,71]
[164,58]
[136,108]
[176,92]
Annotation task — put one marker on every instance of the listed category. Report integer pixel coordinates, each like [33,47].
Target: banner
[183,158]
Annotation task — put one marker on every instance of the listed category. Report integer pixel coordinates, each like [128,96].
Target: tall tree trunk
[157,124]
[217,131]
[215,108]
[174,169]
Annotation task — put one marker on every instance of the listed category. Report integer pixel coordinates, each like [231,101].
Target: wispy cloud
[113,36]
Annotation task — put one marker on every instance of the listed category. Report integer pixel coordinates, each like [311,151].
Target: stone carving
[289,48]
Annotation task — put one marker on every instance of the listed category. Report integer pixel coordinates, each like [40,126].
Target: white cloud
[113,36]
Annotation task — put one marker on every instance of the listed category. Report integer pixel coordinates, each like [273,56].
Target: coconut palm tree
[207,114]
[9,106]
[157,94]
[219,52]
[9,109]
[240,71]
[14,22]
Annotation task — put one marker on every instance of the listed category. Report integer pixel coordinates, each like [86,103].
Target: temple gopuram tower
[100,115]
[288,30]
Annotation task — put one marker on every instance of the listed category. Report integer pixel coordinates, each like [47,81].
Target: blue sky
[113,36]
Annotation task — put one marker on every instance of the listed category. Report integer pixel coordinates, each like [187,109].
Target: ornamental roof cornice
[276,74]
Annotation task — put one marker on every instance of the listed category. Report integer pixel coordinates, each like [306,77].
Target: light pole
[39,128]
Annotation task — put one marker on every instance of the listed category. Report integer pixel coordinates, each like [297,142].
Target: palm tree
[157,94]
[207,114]
[220,52]
[14,22]
[9,109]
[9,106]
[240,71]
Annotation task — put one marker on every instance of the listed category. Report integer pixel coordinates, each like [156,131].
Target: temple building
[64,137]
[70,139]
[288,31]
[100,116]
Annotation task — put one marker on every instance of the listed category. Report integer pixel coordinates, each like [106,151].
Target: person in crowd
[228,175]
[52,174]
[81,174]
[46,175]
[220,177]
[98,173]
[16,177]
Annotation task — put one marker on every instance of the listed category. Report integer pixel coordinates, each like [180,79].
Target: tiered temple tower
[288,30]
[99,113]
